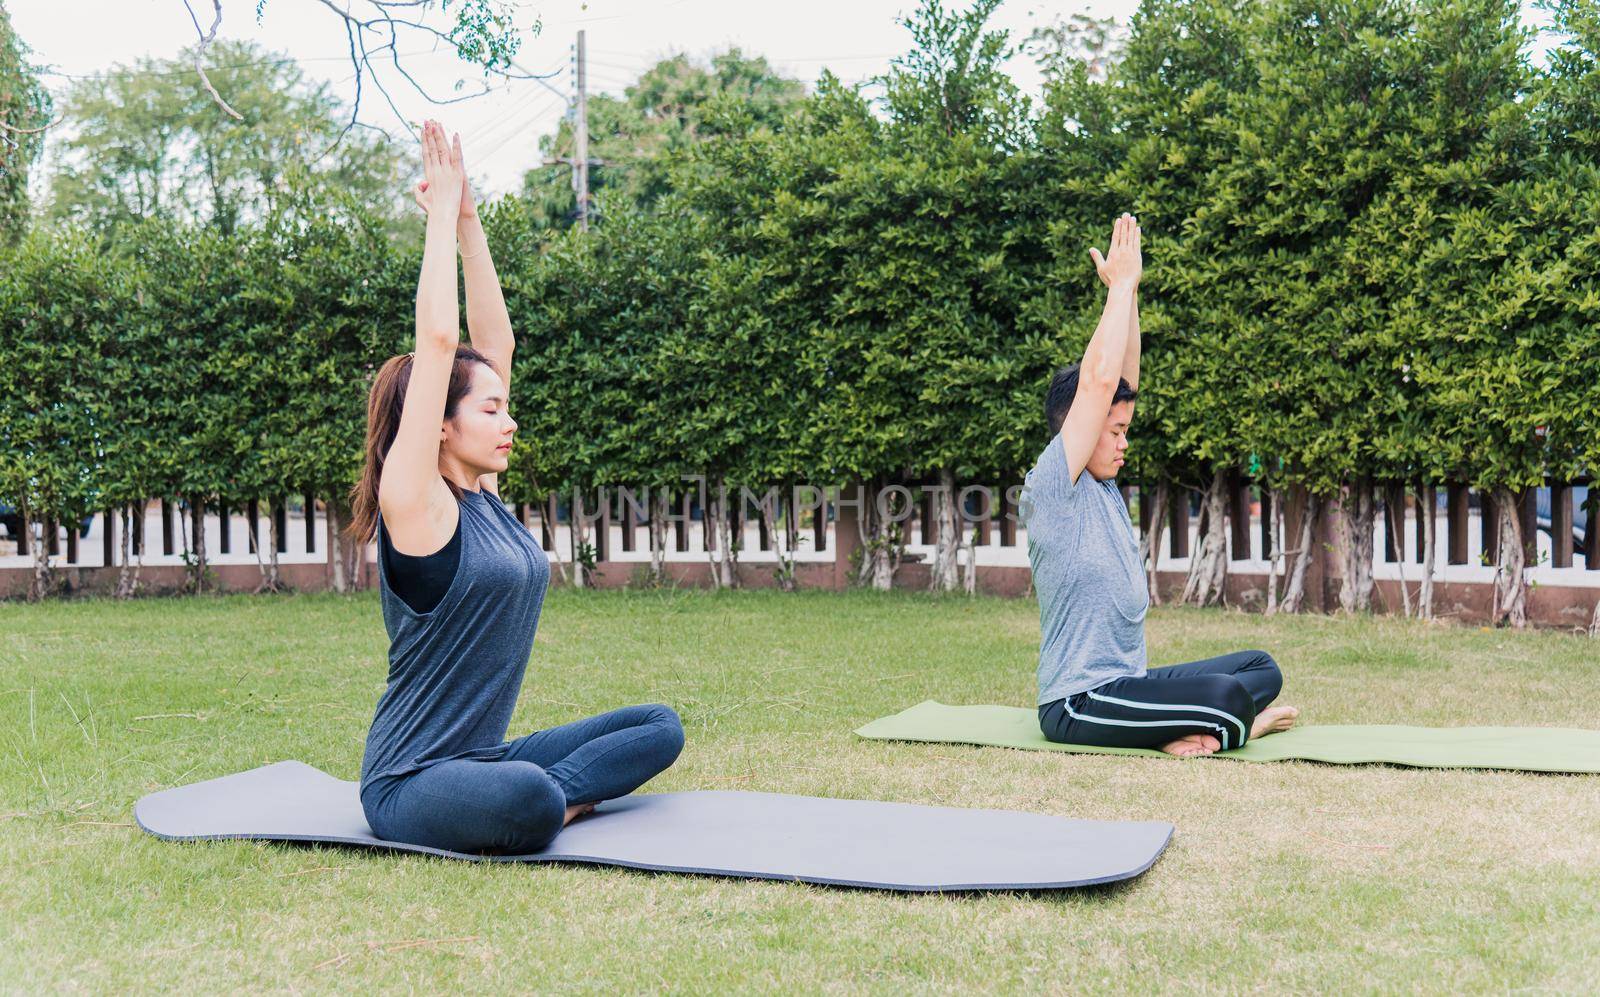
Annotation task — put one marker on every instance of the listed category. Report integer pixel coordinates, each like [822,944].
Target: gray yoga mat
[892,846]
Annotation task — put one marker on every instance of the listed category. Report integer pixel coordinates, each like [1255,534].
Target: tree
[944,271]
[1077,40]
[199,288]
[789,219]
[1569,119]
[344,305]
[24,115]
[1151,146]
[61,307]
[1065,187]
[1318,154]
[591,314]
[148,143]
[642,137]
[483,32]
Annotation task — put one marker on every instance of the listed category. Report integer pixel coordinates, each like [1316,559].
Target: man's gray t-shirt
[1086,571]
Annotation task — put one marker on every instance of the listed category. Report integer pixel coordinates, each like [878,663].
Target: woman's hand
[469,207]
[1123,262]
[444,178]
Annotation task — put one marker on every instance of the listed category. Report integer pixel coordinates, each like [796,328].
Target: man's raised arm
[1107,357]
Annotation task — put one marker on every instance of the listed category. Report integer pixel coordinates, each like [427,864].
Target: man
[1093,684]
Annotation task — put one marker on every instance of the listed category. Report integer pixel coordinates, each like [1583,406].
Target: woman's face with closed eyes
[479,435]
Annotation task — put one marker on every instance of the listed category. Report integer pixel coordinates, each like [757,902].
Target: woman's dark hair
[385,402]
[1064,387]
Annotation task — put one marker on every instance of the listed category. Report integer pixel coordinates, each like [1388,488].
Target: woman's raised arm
[418,507]
[488,321]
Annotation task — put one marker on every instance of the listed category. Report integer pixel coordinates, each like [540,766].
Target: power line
[541,80]
[524,121]
[517,123]
[189,71]
[611,81]
[835,58]
[620,17]
[495,125]
[652,59]
[622,53]
[625,67]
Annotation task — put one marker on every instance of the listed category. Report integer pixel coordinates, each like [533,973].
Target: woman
[462,581]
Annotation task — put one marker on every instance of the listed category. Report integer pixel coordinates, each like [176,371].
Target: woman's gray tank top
[454,672]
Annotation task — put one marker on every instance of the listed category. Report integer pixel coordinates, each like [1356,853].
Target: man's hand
[1123,262]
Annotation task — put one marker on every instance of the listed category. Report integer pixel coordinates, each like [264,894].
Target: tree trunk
[269,570]
[882,541]
[1294,593]
[351,556]
[253,529]
[720,552]
[128,576]
[969,544]
[191,581]
[1395,510]
[1150,552]
[943,577]
[1196,546]
[711,529]
[1429,523]
[782,546]
[732,520]
[42,584]
[658,536]
[1275,557]
[1356,514]
[274,540]
[198,566]
[336,554]
[784,504]
[1510,581]
[580,540]
[1208,568]
[549,521]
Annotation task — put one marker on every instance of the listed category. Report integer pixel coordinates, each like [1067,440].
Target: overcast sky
[500,131]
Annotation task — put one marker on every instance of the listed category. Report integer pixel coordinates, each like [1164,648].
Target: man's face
[1107,458]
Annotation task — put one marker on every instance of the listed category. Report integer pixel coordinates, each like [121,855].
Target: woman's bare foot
[577,810]
[1273,719]
[1194,744]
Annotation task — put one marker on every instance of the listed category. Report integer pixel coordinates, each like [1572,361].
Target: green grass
[1286,876]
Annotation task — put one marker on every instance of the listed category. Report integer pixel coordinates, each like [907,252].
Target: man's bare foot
[1194,744]
[577,810]
[1273,719]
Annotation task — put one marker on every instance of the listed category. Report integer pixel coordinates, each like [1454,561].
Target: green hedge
[1373,235]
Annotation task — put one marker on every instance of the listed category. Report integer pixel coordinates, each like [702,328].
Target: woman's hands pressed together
[443,191]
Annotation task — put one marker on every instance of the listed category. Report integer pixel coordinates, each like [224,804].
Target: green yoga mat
[1530,749]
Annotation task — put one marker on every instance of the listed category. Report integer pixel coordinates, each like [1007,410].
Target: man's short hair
[1064,387]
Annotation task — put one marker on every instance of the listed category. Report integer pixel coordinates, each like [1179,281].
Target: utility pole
[579,160]
[580,133]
